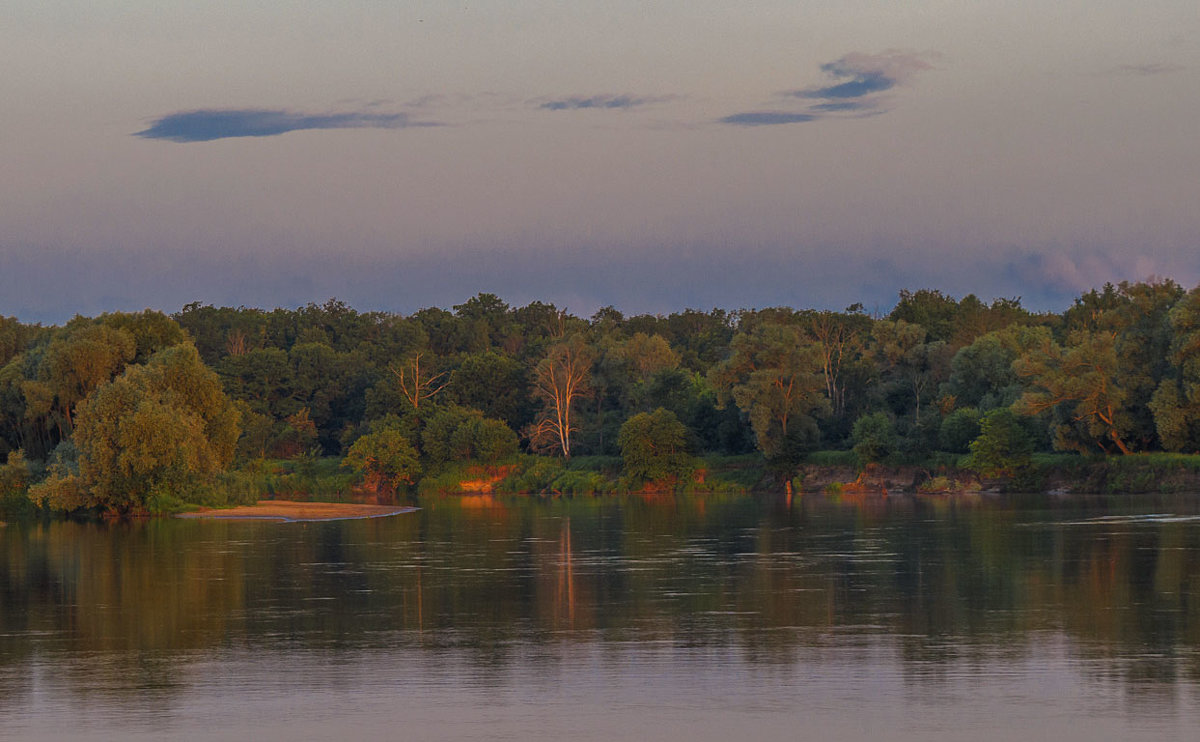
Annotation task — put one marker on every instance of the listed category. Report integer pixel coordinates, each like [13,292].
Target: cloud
[841,106]
[1144,70]
[767,118]
[866,74]
[862,84]
[1070,273]
[859,82]
[605,102]
[206,125]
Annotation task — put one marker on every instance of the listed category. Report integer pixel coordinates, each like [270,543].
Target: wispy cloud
[867,74]
[767,118]
[857,85]
[1144,70]
[205,125]
[843,106]
[604,102]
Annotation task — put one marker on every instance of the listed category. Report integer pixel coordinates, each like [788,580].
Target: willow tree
[160,429]
[79,358]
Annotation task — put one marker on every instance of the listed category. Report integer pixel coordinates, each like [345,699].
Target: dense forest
[128,412]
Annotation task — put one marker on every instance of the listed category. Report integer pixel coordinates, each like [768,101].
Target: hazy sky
[653,155]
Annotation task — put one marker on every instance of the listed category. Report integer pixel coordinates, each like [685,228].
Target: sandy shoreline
[289,511]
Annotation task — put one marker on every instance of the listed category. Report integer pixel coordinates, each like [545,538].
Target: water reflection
[929,600]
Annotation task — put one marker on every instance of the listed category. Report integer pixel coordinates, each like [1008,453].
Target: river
[615,618]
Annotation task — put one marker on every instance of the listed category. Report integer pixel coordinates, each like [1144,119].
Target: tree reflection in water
[132,609]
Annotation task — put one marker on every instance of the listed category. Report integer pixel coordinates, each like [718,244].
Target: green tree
[1176,402]
[840,339]
[982,374]
[385,459]
[151,331]
[1136,318]
[959,429]
[913,367]
[929,308]
[775,378]
[455,433]
[164,428]
[1003,447]
[874,437]
[654,447]
[14,484]
[1083,386]
[493,384]
[79,359]
[261,377]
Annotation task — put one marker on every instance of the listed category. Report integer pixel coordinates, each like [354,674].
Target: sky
[651,155]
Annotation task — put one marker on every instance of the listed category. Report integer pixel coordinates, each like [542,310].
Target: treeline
[118,410]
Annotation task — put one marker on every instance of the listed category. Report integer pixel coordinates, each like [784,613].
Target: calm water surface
[512,618]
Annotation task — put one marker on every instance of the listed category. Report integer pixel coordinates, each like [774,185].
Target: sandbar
[296,512]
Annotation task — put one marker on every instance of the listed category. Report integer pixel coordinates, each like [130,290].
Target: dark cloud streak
[842,106]
[862,85]
[767,118]
[865,78]
[206,125]
[603,102]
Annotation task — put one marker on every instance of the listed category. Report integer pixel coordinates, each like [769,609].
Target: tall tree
[560,380]
[1176,402]
[840,340]
[775,378]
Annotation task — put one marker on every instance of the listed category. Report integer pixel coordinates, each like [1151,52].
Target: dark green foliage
[542,475]
[1003,447]
[493,384]
[1176,402]
[959,429]
[151,331]
[874,438]
[775,379]
[385,459]
[654,448]
[957,323]
[929,308]
[455,433]
[15,476]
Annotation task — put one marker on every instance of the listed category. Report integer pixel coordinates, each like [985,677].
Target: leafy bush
[14,485]
[1003,447]
[533,475]
[457,433]
[385,459]
[654,448]
[874,438]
